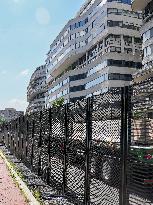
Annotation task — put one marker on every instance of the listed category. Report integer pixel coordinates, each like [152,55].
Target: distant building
[96,51]
[10,113]
[36,90]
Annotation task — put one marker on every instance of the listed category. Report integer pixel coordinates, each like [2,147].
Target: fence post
[26,141]
[8,135]
[124,143]
[2,134]
[87,155]
[66,123]
[32,155]
[39,145]
[49,143]
[19,138]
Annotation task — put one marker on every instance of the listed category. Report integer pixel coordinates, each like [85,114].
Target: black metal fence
[81,149]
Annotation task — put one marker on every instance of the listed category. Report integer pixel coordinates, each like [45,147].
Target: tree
[58,103]
[2,120]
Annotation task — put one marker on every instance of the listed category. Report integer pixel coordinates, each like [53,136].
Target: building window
[77,88]
[148,51]
[97,68]
[147,35]
[78,77]
[122,63]
[66,81]
[96,81]
[59,95]
[65,92]
[78,24]
[118,76]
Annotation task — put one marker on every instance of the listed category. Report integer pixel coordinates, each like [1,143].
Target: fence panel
[105,149]
[76,144]
[44,144]
[140,163]
[35,140]
[57,148]
[30,143]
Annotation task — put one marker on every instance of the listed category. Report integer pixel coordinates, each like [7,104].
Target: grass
[37,195]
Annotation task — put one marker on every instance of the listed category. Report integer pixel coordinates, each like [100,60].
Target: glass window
[65,81]
[77,88]
[59,95]
[95,81]
[118,76]
[82,33]
[151,32]
[72,27]
[78,77]
[97,68]
[112,10]
[77,25]
[53,98]
[146,36]
[147,51]
[65,92]
[77,45]
[77,34]
[82,43]
[72,36]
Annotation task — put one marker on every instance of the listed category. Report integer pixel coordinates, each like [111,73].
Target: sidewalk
[10,194]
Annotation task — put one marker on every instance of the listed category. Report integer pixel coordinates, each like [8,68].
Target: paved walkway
[9,192]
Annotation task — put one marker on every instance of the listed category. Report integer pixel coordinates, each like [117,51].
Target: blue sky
[27,28]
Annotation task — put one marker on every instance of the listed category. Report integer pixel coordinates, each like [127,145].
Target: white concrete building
[143,91]
[146,6]
[97,50]
[36,90]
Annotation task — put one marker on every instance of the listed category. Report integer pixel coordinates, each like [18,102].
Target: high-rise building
[36,90]
[146,6]
[143,90]
[97,50]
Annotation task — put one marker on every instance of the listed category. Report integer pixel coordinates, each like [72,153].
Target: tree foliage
[2,120]
[59,102]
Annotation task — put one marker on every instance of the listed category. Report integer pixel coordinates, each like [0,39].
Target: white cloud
[3,72]
[42,16]
[24,73]
[17,1]
[18,104]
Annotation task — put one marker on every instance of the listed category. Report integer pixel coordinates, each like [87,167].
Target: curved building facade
[36,90]
[97,50]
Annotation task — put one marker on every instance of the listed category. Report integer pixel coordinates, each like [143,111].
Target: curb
[23,187]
